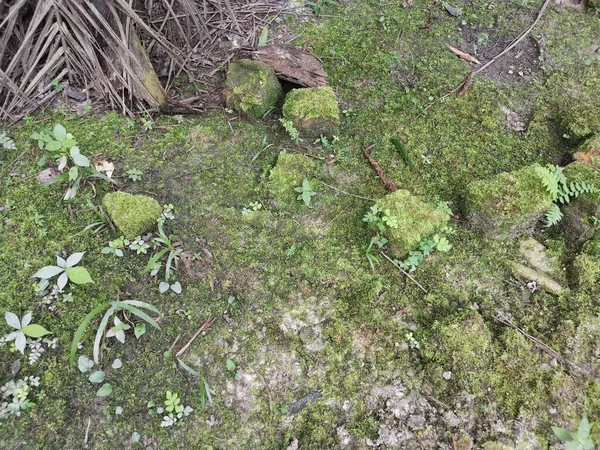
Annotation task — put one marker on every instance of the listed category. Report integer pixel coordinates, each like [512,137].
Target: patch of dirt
[521,64]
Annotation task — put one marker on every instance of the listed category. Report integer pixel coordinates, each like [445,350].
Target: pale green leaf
[79,275]
[35,331]
[97,377]
[48,272]
[105,390]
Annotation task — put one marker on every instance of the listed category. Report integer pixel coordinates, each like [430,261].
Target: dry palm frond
[97,45]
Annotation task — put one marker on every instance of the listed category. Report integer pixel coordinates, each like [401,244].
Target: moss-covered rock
[313,111]
[580,103]
[416,219]
[463,348]
[252,88]
[578,223]
[508,204]
[132,214]
[586,269]
[589,152]
[289,172]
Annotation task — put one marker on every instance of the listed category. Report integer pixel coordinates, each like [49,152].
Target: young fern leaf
[553,215]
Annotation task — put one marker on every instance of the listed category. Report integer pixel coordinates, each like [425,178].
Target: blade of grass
[404,154]
[100,333]
[81,329]
[141,314]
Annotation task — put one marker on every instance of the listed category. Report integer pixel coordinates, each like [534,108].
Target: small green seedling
[291,130]
[232,367]
[24,329]
[114,247]
[576,440]
[134,174]
[306,192]
[67,271]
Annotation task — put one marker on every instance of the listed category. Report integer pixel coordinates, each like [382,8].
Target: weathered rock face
[578,223]
[544,270]
[313,111]
[508,204]
[132,214]
[416,220]
[252,88]
[289,172]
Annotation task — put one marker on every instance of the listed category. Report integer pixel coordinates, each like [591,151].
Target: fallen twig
[500,317]
[466,83]
[463,55]
[348,193]
[205,327]
[404,272]
[389,184]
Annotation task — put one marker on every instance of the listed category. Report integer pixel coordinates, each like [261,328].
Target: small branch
[404,272]
[500,317]
[348,193]
[462,88]
[389,184]
[205,327]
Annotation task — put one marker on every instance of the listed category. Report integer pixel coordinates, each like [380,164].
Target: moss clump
[586,269]
[589,152]
[132,214]
[252,88]
[313,111]
[508,204]
[579,105]
[463,348]
[289,172]
[416,220]
[577,223]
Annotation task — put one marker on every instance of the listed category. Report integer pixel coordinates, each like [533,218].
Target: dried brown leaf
[105,167]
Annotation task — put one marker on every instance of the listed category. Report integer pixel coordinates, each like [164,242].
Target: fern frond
[550,179]
[553,215]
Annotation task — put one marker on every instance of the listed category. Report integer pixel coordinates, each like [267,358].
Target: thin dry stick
[404,272]
[389,184]
[87,430]
[505,321]
[205,326]
[347,193]
[462,87]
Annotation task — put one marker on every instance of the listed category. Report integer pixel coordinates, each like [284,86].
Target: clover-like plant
[67,271]
[60,146]
[305,192]
[24,329]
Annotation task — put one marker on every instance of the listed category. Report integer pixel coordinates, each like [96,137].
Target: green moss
[589,152]
[463,348]
[579,104]
[586,269]
[508,204]
[252,88]
[132,214]
[289,172]
[516,378]
[578,223]
[314,111]
[416,218]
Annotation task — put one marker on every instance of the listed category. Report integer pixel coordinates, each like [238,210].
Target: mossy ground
[297,304]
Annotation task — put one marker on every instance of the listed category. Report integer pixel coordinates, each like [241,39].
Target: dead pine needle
[404,272]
